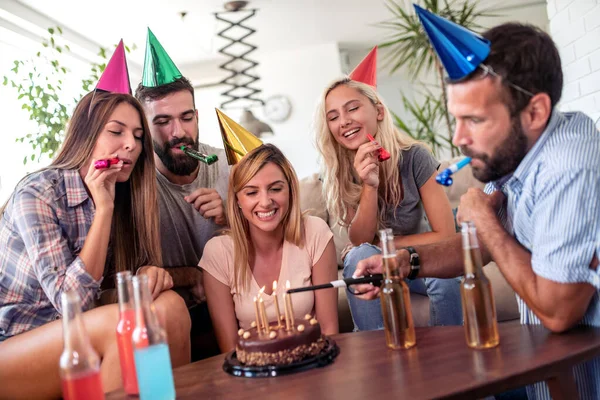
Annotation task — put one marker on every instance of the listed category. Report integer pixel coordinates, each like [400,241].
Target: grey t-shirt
[183,231]
[416,167]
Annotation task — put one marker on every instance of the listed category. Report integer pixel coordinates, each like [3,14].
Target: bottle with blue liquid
[151,351]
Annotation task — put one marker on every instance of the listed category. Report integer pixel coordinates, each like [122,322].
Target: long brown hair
[241,174]
[134,232]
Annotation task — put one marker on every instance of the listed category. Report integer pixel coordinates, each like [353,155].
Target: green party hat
[159,69]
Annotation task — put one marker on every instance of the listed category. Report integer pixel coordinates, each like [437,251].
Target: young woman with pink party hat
[68,228]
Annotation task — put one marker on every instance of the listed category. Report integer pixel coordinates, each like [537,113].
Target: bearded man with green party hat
[190,193]
[539,217]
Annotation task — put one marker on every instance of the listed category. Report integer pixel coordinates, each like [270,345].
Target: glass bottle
[151,351]
[479,310]
[125,332]
[79,364]
[395,298]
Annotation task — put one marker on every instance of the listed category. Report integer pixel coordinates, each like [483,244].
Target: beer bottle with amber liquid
[479,310]
[395,298]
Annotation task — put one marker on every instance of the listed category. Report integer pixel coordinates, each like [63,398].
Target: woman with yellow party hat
[269,242]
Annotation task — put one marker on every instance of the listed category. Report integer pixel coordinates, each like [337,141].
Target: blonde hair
[293,224]
[134,230]
[341,184]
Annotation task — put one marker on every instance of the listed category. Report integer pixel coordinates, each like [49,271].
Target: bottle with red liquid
[125,332]
[79,364]
[150,348]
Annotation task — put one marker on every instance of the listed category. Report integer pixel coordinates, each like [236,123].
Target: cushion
[312,202]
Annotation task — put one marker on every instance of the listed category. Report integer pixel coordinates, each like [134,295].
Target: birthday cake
[280,346]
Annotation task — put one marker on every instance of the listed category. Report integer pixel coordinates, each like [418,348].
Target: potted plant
[38,82]
[410,50]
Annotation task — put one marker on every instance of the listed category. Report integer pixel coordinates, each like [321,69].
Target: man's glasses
[487,70]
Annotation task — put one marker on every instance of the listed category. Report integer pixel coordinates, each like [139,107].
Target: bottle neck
[72,326]
[388,249]
[146,321]
[125,292]
[470,245]
[78,353]
[390,267]
[473,263]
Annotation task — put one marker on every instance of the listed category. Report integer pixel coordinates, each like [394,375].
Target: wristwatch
[415,263]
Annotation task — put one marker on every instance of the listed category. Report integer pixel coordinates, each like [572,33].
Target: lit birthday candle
[263,312]
[289,309]
[277,313]
[257,315]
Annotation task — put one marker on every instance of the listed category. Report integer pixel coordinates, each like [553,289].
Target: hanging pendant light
[254,125]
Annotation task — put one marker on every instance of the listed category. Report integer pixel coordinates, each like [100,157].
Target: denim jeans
[444,296]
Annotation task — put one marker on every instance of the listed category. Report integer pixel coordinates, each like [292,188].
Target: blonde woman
[367,195]
[269,240]
[70,227]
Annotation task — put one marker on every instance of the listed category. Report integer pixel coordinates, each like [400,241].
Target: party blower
[382,154]
[207,159]
[102,164]
[444,177]
[375,279]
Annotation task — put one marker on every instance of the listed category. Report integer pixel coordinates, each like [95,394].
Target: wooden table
[439,366]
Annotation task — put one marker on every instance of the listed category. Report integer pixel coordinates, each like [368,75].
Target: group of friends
[211,237]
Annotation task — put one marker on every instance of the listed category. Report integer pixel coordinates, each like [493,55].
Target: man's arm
[442,260]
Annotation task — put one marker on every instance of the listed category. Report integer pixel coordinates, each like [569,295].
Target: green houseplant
[38,82]
[410,50]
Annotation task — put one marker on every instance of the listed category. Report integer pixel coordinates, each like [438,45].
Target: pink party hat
[366,71]
[115,78]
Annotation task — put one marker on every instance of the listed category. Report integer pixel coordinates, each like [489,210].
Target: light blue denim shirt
[553,210]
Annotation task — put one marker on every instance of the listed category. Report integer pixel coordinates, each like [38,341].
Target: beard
[178,164]
[507,157]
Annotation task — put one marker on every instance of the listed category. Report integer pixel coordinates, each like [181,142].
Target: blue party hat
[460,50]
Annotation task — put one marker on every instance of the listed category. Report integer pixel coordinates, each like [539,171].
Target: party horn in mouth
[444,177]
[382,153]
[101,164]
[375,279]
[207,159]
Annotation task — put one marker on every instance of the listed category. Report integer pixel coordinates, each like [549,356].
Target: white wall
[301,74]
[575,27]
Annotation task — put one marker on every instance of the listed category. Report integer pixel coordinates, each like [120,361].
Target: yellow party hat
[236,140]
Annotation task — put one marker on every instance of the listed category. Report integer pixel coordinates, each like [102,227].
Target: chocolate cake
[280,347]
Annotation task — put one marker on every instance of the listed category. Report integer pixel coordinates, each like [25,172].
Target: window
[15,121]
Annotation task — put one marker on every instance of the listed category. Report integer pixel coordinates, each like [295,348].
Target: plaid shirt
[42,231]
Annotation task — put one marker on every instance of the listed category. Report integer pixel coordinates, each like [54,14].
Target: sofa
[313,203]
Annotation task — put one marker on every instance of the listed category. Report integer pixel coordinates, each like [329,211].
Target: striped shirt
[553,210]
[42,231]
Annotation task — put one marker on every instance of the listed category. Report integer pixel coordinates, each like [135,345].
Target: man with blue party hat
[539,216]
[191,192]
